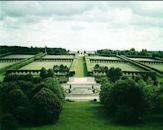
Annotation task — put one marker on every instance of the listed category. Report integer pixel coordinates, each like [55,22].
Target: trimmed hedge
[148,68]
[5,54]
[21,63]
[88,66]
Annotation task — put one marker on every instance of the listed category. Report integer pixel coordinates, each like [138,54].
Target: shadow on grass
[95,115]
[101,113]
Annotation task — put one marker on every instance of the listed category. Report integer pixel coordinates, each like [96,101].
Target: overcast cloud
[83,25]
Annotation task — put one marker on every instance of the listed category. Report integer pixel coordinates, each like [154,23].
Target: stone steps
[82,89]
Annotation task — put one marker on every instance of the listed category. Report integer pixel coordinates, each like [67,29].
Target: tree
[56,68]
[37,80]
[105,88]
[26,87]
[16,98]
[24,114]
[150,78]
[54,85]
[46,106]
[144,52]
[150,92]
[114,74]
[66,69]
[97,66]
[10,77]
[126,102]
[61,68]
[4,91]
[43,73]
[158,99]
[132,49]
[50,73]
[106,69]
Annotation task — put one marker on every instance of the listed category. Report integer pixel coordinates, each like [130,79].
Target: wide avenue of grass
[93,116]
[80,67]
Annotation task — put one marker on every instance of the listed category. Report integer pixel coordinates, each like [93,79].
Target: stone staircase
[81,80]
[82,89]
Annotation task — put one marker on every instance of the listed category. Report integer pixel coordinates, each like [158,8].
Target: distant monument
[82,52]
[45,50]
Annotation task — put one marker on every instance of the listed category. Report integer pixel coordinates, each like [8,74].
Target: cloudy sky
[83,25]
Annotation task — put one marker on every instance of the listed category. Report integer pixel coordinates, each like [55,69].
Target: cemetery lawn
[37,65]
[4,64]
[93,116]
[123,66]
[157,66]
[17,56]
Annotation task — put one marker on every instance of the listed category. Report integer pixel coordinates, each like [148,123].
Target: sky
[86,25]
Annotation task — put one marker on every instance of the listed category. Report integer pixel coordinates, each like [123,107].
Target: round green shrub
[126,102]
[15,99]
[23,114]
[54,85]
[46,107]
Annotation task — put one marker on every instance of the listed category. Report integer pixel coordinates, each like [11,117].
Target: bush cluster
[17,77]
[99,69]
[112,73]
[60,69]
[50,72]
[46,73]
[128,101]
[24,102]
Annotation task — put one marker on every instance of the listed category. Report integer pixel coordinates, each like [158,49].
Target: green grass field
[4,64]
[93,116]
[123,66]
[58,56]
[17,56]
[156,66]
[80,67]
[37,65]
[104,58]
[143,59]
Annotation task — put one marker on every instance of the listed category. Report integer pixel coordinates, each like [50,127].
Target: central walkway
[80,87]
[81,67]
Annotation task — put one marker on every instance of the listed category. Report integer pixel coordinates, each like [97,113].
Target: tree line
[131,52]
[32,50]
